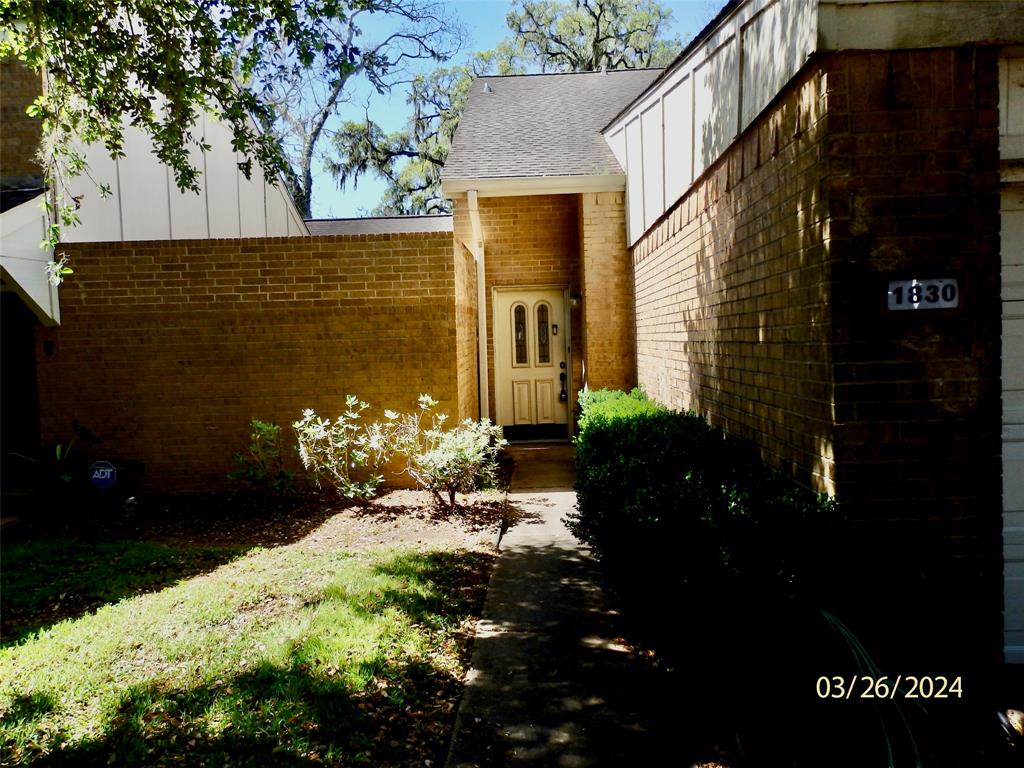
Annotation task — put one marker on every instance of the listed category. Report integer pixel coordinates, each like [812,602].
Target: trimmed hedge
[748,587]
[665,498]
[614,404]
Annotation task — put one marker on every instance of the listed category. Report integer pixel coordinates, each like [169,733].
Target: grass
[284,656]
[44,581]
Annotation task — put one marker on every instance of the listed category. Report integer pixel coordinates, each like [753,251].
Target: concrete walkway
[549,684]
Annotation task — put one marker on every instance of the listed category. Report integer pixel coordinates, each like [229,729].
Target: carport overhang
[23,262]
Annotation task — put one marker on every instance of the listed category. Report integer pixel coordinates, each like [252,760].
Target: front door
[531,338]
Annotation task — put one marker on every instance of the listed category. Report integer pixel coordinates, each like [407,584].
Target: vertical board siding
[712,95]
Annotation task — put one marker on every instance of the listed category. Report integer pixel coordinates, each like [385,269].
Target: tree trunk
[304,198]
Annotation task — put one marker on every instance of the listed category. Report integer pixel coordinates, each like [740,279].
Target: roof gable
[527,126]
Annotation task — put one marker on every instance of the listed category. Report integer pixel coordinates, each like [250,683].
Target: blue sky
[484,22]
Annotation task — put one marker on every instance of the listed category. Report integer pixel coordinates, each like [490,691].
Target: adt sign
[102,474]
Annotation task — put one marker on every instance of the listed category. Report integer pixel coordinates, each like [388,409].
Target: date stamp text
[886,687]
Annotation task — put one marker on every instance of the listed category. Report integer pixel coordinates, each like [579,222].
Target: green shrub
[731,571]
[663,497]
[613,404]
[262,465]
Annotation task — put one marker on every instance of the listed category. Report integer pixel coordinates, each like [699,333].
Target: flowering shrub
[331,451]
[444,462]
[460,460]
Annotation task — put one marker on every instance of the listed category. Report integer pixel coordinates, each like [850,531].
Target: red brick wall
[168,349]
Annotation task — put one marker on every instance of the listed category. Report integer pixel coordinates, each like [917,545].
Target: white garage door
[1013,418]
[1011,151]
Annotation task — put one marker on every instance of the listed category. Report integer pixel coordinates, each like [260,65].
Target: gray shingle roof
[380,225]
[542,125]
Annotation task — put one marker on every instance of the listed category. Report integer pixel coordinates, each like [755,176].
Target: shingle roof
[541,125]
[380,225]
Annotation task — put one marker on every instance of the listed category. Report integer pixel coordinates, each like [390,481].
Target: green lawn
[282,656]
[42,581]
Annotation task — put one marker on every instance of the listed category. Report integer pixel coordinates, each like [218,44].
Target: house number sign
[943,293]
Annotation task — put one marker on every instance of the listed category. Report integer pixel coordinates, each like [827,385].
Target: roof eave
[534,185]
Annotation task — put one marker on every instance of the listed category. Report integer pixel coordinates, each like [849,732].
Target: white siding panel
[617,142]
[634,180]
[221,182]
[716,105]
[188,209]
[905,24]
[252,198]
[295,227]
[101,217]
[145,206]
[1011,107]
[188,212]
[1015,97]
[701,94]
[678,106]
[277,213]
[654,169]
[774,44]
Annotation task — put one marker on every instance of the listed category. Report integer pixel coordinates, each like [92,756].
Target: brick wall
[19,138]
[528,240]
[608,311]
[466,332]
[168,349]
[732,293]
[761,304]
[913,191]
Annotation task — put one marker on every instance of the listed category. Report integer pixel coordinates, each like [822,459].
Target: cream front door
[531,373]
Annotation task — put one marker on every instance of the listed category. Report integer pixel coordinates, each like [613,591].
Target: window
[519,335]
[543,335]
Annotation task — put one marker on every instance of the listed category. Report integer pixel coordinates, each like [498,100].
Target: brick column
[19,139]
[609,336]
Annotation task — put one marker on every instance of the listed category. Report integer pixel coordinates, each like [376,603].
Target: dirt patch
[409,518]
[399,517]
